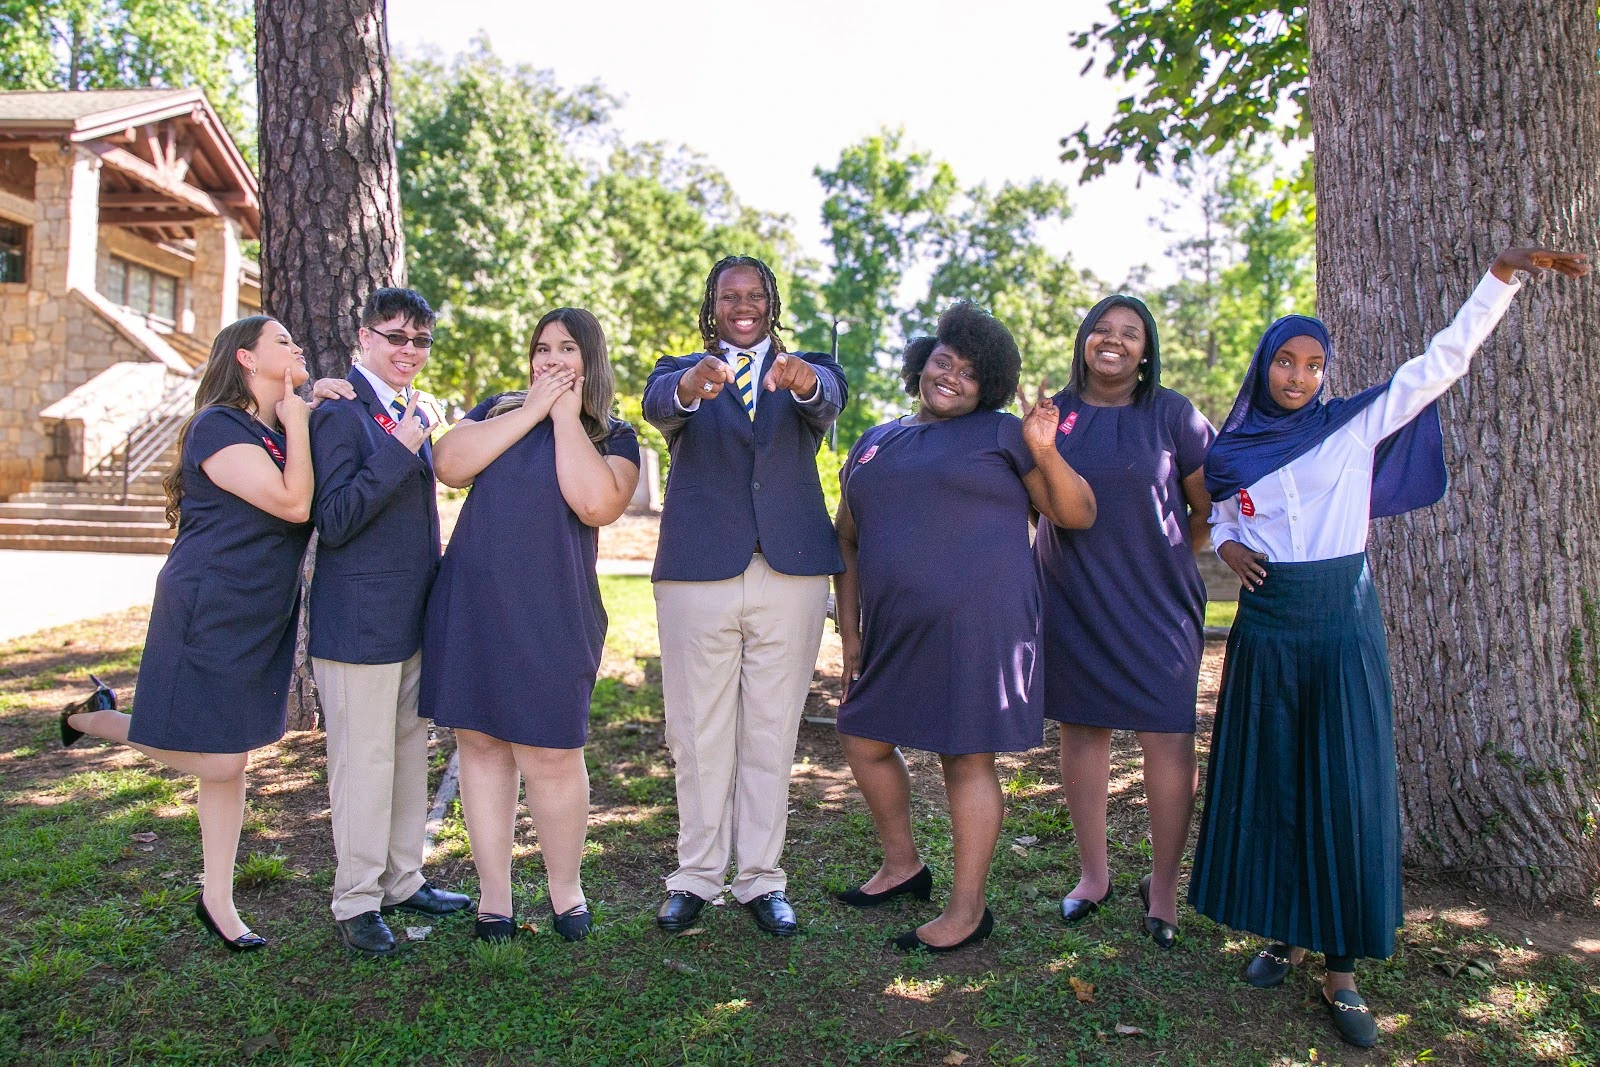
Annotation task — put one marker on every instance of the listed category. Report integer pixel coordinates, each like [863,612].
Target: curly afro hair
[980,339]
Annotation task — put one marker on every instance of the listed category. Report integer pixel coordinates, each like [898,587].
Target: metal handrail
[151,436]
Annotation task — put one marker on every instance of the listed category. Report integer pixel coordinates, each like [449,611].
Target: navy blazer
[733,483]
[377,533]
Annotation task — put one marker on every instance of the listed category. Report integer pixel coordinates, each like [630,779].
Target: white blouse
[1316,506]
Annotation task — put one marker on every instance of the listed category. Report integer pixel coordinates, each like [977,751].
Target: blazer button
[756,486]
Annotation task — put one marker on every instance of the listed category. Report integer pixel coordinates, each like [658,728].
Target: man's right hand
[1245,563]
[704,380]
[331,389]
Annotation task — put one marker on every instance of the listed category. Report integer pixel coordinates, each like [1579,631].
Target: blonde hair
[599,382]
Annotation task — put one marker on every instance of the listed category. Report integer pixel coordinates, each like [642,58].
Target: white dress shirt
[1317,505]
[386,392]
[758,354]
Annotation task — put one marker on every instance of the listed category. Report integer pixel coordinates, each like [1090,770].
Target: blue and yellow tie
[398,405]
[741,378]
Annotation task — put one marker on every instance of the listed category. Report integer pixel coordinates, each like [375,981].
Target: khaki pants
[377,780]
[736,663]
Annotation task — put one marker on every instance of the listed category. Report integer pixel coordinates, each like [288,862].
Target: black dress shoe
[245,942]
[574,924]
[919,885]
[1075,908]
[679,910]
[910,942]
[367,933]
[1352,1018]
[104,698]
[491,927]
[1269,967]
[774,914]
[431,900]
[1163,933]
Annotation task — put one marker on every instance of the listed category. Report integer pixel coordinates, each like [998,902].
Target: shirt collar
[385,392]
[758,350]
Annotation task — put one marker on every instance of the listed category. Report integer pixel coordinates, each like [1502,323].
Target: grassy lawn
[104,962]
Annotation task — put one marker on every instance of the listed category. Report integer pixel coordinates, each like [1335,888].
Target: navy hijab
[1260,437]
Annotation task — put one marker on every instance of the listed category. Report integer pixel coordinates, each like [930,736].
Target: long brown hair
[599,383]
[223,382]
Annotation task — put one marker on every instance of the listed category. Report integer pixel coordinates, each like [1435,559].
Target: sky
[769,91]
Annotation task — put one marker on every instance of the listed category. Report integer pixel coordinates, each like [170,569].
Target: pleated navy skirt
[1300,838]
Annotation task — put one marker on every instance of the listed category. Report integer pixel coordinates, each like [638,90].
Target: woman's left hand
[569,405]
[1039,420]
[1538,260]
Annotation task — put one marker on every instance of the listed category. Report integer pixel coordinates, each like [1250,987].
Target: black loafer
[679,910]
[367,934]
[1269,967]
[1163,933]
[574,924]
[910,942]
[494,927]
[1352,1018]
[919,885]
[431,900]
[245,942]
[1074,909]
[774,914]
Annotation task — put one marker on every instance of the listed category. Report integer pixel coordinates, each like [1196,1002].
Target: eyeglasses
[400,340]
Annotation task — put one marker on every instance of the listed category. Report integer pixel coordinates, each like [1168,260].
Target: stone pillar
[214,282]
[66,230]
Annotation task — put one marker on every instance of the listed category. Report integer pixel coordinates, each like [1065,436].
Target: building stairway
[91,515]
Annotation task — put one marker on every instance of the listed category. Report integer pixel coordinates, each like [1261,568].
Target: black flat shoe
[1352,1018]
[1163,933]
[104,698]
[919,885]
[679,910]
[774,914]
[910,942]
[1269,967]
[245,942]
[494,927]
[574,924]
[1075,908]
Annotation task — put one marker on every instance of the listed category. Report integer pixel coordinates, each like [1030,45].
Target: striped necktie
[741,378]
[398,406]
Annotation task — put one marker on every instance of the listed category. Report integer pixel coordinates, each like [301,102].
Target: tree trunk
[1443,133]
[330,194]
[330,197]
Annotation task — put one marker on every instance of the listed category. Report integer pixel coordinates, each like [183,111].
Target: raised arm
[247,472]
[1056,491]
[597,488]
[460,455]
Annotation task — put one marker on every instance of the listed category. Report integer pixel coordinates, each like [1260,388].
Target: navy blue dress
[220,649]
[1124,604]
[949,593]
[512,637]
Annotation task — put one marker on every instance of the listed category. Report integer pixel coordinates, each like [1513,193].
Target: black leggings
[1340,964]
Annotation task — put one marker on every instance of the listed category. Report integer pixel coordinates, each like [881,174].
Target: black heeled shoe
[1074,909]
[910,942]
[574,924]
[919,885]
[104,698]
[494,928]
[1163,933]
[245,942]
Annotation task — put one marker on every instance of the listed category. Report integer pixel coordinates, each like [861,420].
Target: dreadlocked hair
[708,305]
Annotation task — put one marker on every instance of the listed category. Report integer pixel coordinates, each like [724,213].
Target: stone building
[121,219]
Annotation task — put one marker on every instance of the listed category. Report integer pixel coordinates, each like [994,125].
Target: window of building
[13,252]
[146,291]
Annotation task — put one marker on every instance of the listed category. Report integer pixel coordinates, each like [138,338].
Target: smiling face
[742,308]
[275,352]
[554,349]
[948,385]
[1115,349]
[1295,373]
[397,365]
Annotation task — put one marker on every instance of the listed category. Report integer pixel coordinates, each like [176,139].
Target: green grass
[1221,612]
[105,964]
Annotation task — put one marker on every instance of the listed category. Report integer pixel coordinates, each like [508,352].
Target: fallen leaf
[693,931]
[1124,1030]
[1084,991]
[1030,840]
[528,926]
[146,837]
[145,848]
[418,933]
[955,1058]
[300,979]
[681,968]
[1018,850]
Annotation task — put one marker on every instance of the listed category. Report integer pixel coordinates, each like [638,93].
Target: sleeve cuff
[1494,293]
[816,392]
[1222,533]
[679,404]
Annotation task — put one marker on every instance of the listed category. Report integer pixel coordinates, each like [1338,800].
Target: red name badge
[273,450]
[1247,507]
[1068,423]
[872,450]
[385,421]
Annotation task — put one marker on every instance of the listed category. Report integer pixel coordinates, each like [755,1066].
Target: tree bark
[330,198]
[1443,133]
[330,193]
